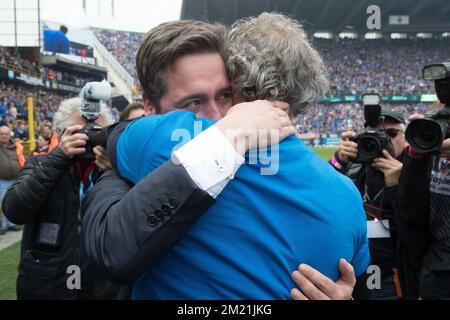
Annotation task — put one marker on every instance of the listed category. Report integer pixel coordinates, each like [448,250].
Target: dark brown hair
[131,107]
[164,44]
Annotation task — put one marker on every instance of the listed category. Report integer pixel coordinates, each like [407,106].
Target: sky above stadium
[130,15]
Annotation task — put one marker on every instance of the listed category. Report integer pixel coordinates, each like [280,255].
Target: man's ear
[149,107]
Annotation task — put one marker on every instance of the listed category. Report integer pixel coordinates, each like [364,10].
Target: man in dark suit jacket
[125,229]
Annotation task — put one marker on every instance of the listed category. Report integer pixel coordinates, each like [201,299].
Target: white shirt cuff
[210,160]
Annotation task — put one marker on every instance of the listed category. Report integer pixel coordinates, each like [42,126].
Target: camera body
[426,135]
[371,142]
[92,96]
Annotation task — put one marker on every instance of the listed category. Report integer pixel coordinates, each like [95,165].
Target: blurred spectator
[11,160]
[20,131]
[4,120]
[43,144]
[2,106]
[47,132]
[132,111]
[11,112]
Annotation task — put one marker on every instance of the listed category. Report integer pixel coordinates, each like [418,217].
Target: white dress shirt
[210,160]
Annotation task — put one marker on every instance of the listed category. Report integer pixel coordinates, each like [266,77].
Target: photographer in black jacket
[378,183]
[46,197]
[425,188]
[426,208]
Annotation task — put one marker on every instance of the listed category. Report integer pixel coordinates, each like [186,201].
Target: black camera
[426,135]
[97,137]
[92,96]
[371,142]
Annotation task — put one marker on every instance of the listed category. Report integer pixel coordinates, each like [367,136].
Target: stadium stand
[122,45]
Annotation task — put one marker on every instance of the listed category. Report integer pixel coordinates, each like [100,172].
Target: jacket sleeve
[125,229]
[32,188]
[413,236]
[411,204]
[338,164]
[415,189]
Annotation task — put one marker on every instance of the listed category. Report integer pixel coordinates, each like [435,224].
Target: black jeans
[434,284]
[387,290]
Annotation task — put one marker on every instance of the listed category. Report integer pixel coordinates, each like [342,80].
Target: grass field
[325,152]
[9,257]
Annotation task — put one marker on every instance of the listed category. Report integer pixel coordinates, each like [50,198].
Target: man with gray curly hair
[270,57]
[46,198]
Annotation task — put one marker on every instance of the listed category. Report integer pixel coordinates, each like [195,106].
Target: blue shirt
[56,41]
[2,110]
[261,226]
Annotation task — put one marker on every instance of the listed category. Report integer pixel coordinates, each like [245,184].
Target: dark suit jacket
[126,228]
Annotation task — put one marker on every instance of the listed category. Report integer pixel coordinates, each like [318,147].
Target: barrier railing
[18,69]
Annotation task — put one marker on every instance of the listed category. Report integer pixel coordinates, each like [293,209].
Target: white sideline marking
[10,238]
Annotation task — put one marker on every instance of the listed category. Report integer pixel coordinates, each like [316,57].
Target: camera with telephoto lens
[92,96]
[426,135]
[371,142]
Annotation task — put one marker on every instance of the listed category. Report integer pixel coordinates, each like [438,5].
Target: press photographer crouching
[425,188]
[373,160]
[46,197]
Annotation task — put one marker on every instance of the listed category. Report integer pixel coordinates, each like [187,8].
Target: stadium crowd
[354,66]
[123,46]
[14,61]
[13,102]
[357,66]
[336,118]
[11,58]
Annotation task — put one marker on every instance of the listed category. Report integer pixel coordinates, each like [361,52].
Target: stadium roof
[329,15]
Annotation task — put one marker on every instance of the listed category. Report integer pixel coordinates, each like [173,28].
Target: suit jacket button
[159,214]
[166,209]
[173,203]
[152,221]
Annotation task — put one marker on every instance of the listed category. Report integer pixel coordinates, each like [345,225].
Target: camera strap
[367,198]
[372,210]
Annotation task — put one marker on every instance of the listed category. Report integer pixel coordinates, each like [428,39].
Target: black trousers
[434,284]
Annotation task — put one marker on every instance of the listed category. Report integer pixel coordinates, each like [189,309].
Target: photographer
[425,192]
[46,198]
[378,182]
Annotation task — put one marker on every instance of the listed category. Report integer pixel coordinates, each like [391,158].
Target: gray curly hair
[69,107]
[269,57]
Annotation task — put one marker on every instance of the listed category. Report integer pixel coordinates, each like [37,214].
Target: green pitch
[9,259]
[325,152]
